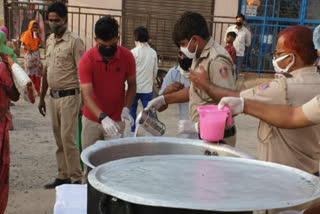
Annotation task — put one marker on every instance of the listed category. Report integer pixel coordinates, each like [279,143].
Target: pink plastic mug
[213,122]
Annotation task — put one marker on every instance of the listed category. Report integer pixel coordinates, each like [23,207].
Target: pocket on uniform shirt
[62,54]
[47,61]
[48,54]
[264,132]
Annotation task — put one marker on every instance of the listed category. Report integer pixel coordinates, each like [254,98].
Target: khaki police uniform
[62,60]
[218,63]
[297,148]
[312,110]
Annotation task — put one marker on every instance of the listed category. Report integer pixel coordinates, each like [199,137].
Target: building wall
[225,12]
[222,7]
[87,22]
[114,4]
[1,13]
[225,8]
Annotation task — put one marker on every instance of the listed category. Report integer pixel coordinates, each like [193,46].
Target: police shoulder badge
[263,86]
[223,72]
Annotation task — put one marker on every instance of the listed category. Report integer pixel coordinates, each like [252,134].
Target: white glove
[187,127]
[110,127]
[236,104]
[157,103]
[125,115]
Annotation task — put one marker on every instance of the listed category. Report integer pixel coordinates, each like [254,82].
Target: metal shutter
[159,17]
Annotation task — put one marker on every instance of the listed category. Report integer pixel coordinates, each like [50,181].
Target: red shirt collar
[99,57]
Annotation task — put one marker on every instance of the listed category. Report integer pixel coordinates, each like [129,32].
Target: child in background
[231,36]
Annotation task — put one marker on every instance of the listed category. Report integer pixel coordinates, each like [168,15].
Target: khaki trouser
[64,112]
[92,132]
[231,141]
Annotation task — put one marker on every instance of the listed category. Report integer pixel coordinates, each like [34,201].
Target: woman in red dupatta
[31,41]
[8,92]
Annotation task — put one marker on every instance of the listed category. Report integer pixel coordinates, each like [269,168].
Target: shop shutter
[159,16]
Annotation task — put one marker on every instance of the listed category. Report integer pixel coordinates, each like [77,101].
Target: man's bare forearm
[91,105]
[44,86]
[217,93]
[280,116]
[130,95]
[87,96]
[181,96]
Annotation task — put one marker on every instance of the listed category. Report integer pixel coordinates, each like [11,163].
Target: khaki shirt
[218,63]
[312,110]
[62,60]
[293,147]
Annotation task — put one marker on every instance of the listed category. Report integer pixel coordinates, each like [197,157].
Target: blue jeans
[239,62]
[145,98]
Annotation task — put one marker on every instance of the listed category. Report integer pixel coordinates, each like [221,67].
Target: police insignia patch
[223,72]
[263,87]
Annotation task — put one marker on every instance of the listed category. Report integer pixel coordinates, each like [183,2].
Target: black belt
[316,173]
[64,93]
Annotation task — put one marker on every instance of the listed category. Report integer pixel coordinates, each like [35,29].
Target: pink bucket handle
[229,119]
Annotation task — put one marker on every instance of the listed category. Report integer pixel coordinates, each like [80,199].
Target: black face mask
[57,29]
[239,24]
[107,52]
[185,63]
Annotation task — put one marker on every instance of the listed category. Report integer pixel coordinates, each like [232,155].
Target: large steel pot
[195,183]
[104,151]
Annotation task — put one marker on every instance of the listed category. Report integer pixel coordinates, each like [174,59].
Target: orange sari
[28,40]
[33,65]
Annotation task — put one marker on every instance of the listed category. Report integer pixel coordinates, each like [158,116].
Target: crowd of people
[106,82]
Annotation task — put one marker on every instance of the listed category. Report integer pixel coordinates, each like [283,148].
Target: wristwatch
[102,116]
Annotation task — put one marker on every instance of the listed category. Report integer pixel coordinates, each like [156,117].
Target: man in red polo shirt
[103,71]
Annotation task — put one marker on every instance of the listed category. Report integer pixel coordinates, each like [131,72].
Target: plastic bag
[71,198]
[23,83]
[316,38]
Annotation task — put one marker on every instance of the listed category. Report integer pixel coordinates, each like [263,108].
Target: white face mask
[184,73]
[186,51]
[277,69]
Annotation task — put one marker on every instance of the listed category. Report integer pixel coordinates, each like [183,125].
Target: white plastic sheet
[71,198]
[23,83]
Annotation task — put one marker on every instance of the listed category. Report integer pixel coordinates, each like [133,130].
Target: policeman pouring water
[191,35]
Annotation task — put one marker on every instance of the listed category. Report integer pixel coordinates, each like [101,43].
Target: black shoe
[57,182]
[76,182]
